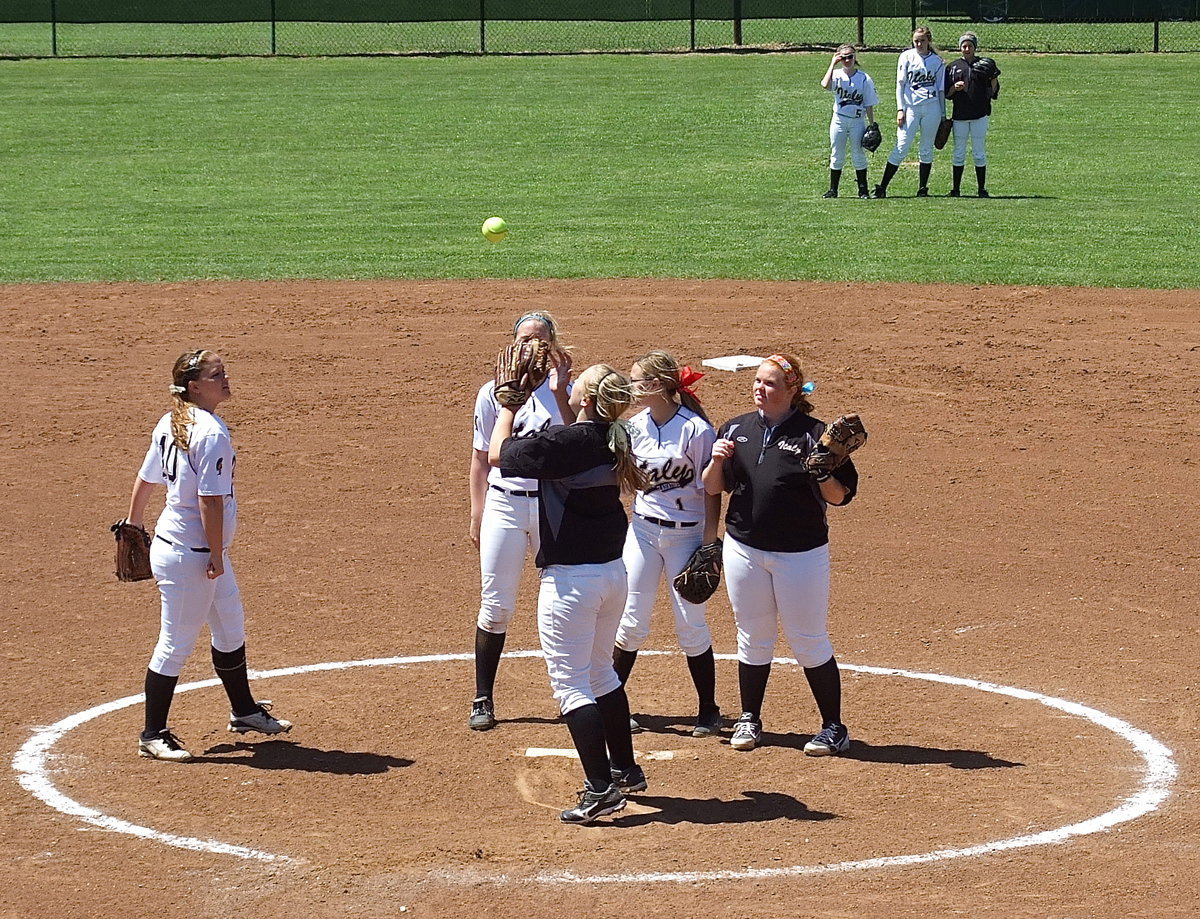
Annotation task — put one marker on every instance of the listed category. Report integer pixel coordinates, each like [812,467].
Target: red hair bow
[688,378]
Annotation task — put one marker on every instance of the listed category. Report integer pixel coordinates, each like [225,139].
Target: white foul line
[1159,771]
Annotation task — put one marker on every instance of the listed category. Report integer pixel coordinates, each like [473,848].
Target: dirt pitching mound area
[1026,521]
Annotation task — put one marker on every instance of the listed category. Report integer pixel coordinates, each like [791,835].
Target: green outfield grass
[683,165]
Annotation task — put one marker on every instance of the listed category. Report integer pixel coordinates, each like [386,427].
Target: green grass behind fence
[688,166]
[563,37]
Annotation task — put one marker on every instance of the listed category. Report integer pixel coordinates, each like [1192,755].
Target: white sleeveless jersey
[539,413]
[853,94]
[673,456]
[918,79]
[205,469]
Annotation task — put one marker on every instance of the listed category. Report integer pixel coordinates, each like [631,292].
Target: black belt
[671,523]
[169,543]
[517,494]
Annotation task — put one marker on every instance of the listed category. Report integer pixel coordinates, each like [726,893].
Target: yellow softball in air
[495,229]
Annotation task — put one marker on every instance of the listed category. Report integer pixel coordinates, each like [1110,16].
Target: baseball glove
[133,552]
[872,137]
[943,133]
[841,438]
[700,576]
[985,67]
[520,369]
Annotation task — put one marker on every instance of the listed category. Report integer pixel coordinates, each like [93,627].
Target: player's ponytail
[677,381]
[188,367]
[612,394]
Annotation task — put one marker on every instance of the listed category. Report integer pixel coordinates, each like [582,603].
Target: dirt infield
[1027,518]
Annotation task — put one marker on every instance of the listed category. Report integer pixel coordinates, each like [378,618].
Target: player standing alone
[672,516]
[971,92]
[920,108]
[854,101]
[504,511]
[192,455]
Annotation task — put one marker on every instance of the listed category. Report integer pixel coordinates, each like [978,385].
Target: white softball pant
[579,609]
[975,129]
[924,119]
[773,589]
[189,601]
[507,530]
[842,131]
[650,551]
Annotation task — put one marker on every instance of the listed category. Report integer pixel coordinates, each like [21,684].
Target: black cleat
[631,779]
[593,805]
[483,715]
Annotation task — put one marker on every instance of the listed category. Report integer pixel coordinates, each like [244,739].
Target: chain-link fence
[36,28]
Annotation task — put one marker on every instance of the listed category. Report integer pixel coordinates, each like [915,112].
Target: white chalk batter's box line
[1158,772]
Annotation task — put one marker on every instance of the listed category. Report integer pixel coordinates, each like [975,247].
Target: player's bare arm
[477,482]
[138,500]
[560,383]
[500,433]
[712,516]
[713,476]
[212,518]
[833,491]
[827,80]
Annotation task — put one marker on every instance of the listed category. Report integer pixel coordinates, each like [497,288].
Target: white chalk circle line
[1158,772]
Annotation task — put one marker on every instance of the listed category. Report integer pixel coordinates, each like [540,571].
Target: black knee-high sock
[861,175]
[160,691]
[924,169]
[231,668]
[958,171]
[835,178]
[587,734]
[614,709]
[704,677]
[826,685]
[981,176]
[623,662]
[888,171]
[752,682]
[488,648]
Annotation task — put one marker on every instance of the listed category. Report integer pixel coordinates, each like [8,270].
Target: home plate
[571,754]
[732,362]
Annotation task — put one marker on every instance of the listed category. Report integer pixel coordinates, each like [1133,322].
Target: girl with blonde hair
[504,510]
[191,454]
[920,108]
[672,517]
[581,469]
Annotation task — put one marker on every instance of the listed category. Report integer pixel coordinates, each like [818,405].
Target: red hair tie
[688,378]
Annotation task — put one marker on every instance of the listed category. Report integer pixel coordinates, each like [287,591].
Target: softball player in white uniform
[192,455]
[920,108]
[504,512]
[854,101]
[581,469]
[672,440]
